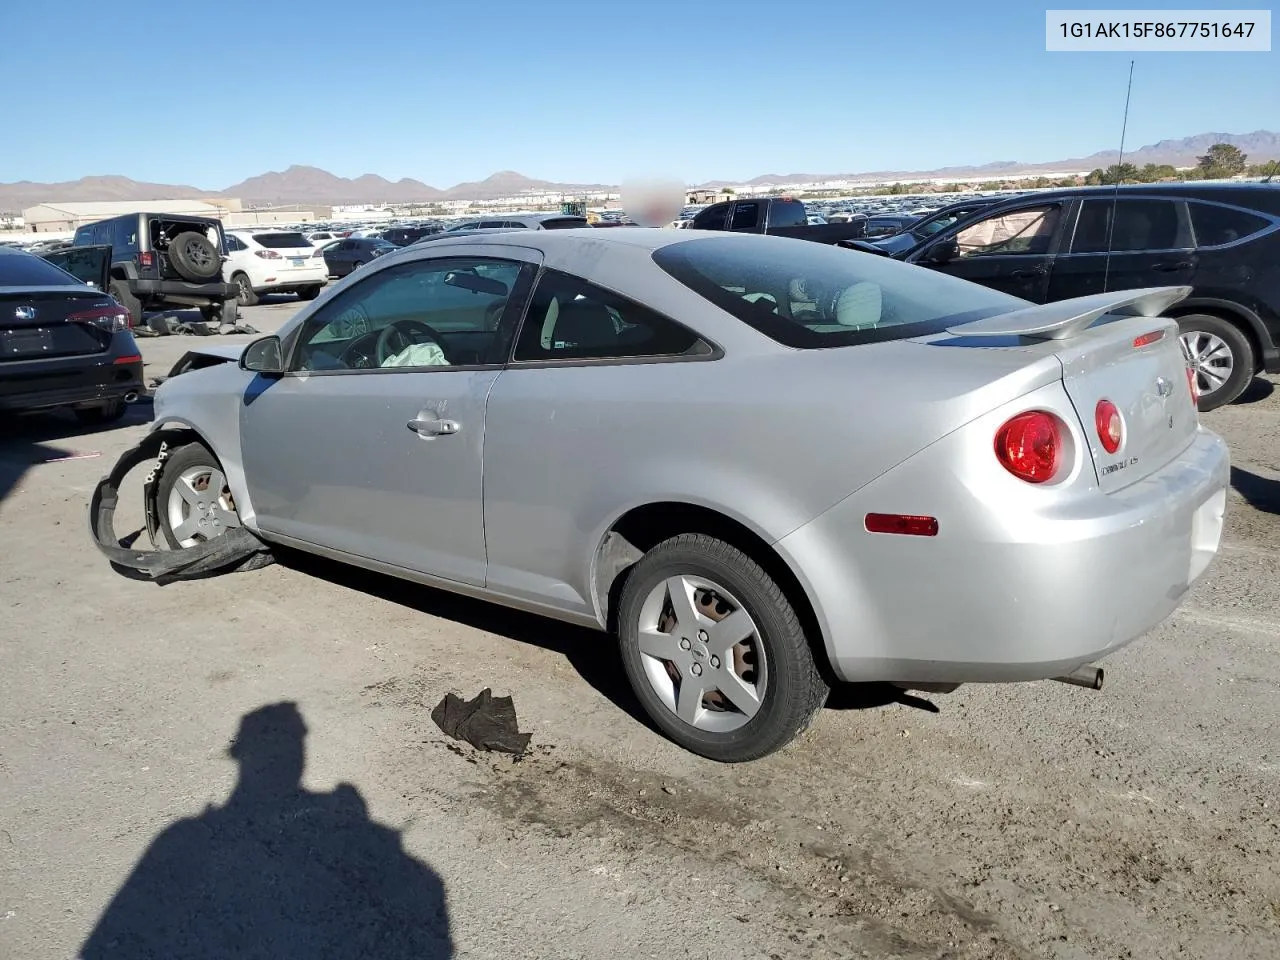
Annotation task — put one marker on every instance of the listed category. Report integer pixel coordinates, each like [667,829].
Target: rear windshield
[280,241]
[28,270]
[564,223]
[812,295]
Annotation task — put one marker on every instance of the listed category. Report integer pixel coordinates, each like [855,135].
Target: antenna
[1115,196]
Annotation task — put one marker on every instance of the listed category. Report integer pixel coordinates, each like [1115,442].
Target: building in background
[65,217]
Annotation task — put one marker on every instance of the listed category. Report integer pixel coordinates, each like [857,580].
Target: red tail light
[1194,386]
[114,319]
[1030,446]
[146,259]
[1106,417]
[131,358]
[266,254]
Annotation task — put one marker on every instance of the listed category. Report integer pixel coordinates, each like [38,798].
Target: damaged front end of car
[233,551]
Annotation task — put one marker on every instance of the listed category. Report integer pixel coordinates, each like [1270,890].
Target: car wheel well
[643,528]
[1227,315]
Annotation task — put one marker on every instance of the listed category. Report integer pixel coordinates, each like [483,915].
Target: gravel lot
[1036,820]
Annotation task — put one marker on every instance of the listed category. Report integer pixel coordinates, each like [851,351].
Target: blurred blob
[652,202]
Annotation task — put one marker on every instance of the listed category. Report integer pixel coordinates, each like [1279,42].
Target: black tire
[1243,362]
[245,296]
[195,257]
[309,293]
[794,688]
[182,459]
[356,266]
[107,413]
[123,296]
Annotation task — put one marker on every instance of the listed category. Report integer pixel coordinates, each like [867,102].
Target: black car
[403,236]
[64,342]
[161,260]
[887,224]
[920,229]
[1220,239]
[352,253]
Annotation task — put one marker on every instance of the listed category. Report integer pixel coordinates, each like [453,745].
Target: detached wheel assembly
[715,651]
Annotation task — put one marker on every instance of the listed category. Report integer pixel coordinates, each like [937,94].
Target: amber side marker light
[903,523]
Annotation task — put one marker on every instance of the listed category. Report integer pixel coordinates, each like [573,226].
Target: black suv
[161,260]
[1220,239]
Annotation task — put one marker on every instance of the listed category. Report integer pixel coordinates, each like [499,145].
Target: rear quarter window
[282,241]
[1215,225]
[811,295]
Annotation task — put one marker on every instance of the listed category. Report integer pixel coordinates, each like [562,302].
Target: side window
[102,233]
[715,217]
[491,224]
[83,237]
[787,213]
[426,313]
[124,236]
[234,243]
[746,216]
[1216,225]
[347,245]
[1027,231]
[1139,225]
[571,319]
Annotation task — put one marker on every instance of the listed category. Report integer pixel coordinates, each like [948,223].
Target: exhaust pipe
[1086,676]
[131,396]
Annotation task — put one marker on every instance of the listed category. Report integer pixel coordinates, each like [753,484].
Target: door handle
[434,428]
[1170,267]
[1028,272]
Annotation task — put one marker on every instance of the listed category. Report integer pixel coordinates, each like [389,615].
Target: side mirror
[944,251]
[263,356]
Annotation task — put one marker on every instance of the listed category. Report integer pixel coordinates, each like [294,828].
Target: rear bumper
[180,291]
[309,277]
[71,382]
[1003,594]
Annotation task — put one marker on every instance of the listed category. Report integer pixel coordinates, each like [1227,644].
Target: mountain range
[303,184]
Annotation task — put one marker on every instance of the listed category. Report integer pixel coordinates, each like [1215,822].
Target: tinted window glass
[124,237]
[26,270]
[427,313]
[492,224]
[713,218]
[564,223]
[1214,224]
[746,216]
[787,213]
[570,319]
[815,295]
[83,237]
[102,233]
[1026,231]
[281,241]
[1139,225]
[235,243]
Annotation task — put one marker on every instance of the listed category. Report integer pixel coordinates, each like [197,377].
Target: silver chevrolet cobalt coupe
[764,465]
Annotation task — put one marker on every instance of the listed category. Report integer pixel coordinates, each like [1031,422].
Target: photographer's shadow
[278,872]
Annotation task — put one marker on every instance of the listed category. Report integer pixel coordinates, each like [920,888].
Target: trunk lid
[36,323]
[1113,347]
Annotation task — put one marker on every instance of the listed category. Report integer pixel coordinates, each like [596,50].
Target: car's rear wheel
[1221,355]
[244,291]
[107,413]
[309,293]
[193,499]
[123,296]
[357,265]
[715,651]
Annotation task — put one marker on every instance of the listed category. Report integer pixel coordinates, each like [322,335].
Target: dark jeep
[163,261]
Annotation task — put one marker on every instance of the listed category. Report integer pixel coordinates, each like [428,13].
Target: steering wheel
[493,313]
[399,330]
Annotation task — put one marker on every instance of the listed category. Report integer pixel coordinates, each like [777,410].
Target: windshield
[941,222]
[811,295]
[26,270]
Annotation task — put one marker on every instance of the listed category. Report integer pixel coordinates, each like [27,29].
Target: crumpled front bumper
[235,550]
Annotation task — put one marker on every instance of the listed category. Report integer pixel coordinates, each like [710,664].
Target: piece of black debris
[487,722]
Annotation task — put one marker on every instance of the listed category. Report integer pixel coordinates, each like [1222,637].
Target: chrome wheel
[244,292]
[1210,357]
[200,506]
[702,654]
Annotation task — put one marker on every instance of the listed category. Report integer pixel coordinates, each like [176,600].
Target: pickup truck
[778,216]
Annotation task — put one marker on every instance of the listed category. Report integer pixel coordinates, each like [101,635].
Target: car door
[1011,249]
[1123,244]
[370,444]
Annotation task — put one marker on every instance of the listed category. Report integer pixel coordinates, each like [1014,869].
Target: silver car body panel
[1022,581]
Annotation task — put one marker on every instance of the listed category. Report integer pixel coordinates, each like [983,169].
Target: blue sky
[583,91]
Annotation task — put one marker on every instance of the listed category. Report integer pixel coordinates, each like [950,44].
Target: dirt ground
[1028,821]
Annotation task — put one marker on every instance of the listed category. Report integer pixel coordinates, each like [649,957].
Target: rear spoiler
[1065,319]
